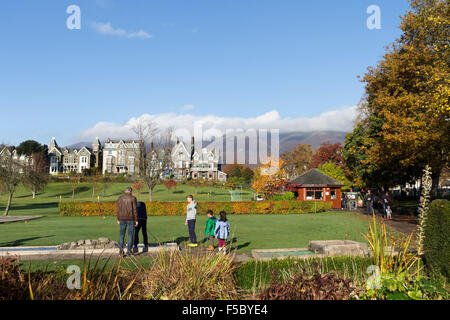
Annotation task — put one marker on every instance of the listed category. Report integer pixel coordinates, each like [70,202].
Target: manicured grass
[247,231]
[46,202]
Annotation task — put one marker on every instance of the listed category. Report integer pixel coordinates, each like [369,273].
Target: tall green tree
[406,114]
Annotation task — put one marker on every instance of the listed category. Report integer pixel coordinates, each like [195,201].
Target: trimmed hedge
[437,237]
[155,208]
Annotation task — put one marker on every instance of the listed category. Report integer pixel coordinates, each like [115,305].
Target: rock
[338,247]
[101,243]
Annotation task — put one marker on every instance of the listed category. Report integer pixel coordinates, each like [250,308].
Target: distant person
[210,229]
[142,223]
[388,212]
[127,218]
[344,201]
[222,231]
[369,202]
[191,217]
[386,200]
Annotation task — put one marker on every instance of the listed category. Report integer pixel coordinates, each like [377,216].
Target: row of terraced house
[121,157]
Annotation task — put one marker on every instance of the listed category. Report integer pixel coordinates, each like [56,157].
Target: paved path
[18,218]
[50,252]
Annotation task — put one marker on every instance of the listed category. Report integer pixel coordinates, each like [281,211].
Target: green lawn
[247,231]
[46,202]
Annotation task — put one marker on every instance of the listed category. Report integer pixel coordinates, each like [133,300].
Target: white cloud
[336,120]
[107,29]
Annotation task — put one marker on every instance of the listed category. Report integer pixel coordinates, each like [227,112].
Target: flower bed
[155,208]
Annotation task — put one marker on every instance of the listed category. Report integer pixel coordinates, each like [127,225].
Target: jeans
[141,224]
[369,208]
[191,228]
[124,225]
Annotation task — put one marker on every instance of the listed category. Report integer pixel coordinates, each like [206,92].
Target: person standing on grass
[210,229]
[369,202]
[127,218]
[142,223]
[191,217]
[222,231]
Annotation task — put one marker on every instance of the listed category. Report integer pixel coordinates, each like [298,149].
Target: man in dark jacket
[142,223]
[369,202]
[127,218]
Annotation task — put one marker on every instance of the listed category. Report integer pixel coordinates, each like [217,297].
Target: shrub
[284,196]
[257,274]
[179,275]
[155,208]
[305,285]
[437,235]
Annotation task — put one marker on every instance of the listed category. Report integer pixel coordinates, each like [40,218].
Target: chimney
[176,140]
[192,145]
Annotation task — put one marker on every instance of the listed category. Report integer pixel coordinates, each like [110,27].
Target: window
[131,168]
[333,194]
[314,194]
[83,159]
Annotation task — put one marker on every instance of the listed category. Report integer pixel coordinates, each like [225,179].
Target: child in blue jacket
[222,231]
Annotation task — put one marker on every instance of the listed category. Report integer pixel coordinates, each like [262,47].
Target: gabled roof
[315,177]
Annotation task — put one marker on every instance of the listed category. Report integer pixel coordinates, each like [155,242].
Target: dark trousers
[369,208]
[141,224]
[191,228]
[124,225]
[384,208]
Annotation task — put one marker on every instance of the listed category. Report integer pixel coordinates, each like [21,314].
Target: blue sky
[236,61]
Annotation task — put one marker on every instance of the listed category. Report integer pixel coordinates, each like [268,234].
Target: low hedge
[155,208]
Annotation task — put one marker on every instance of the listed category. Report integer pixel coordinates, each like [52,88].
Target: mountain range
[287,140]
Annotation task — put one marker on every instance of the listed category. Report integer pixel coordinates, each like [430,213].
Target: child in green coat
[210,227]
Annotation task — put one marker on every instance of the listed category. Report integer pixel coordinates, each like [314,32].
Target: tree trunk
[73,194]
[34,194]
[150,194]
[435,182]
[93,192]
[8,205]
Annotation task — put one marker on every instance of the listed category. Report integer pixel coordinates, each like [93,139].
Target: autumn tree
[406,114]
[269,178]
[240,173]
[297,161]
[328,152]
[35,173]
[336,172]
[10,177]
[169,184]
